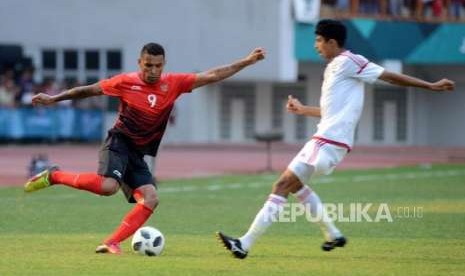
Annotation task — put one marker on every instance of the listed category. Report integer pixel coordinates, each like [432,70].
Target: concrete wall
[196,34]
[440,117]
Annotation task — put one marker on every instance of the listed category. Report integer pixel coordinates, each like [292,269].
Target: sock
[91,182]
[131,222]
[138,196]
[265,217]
[315,208]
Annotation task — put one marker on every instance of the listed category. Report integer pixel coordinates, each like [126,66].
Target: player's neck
[340,51]
[336,53]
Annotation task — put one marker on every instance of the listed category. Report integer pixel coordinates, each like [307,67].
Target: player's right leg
[315,209]
[112,165]
[91,182]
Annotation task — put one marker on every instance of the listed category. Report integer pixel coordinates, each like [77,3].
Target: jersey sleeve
[185,81]
[357,66]
[370,73]
[111,86]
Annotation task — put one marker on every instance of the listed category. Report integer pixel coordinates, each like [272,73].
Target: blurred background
[51,45]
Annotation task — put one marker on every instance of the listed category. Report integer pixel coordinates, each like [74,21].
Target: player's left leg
[147,201]
[269,213]
[141,187]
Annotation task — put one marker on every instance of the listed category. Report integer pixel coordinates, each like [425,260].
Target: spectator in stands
[328,8]
[395,8]
[456,9]
[430,9]
[50,86]
[408,8]
[369,7]
[436,10]
[26,85]
[438,7]
[342,7]
[9,74]
[8,92]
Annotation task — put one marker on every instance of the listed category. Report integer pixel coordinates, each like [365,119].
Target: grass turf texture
[54,231]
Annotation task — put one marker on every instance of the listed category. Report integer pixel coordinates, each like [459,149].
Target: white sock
[314,206]
[264,218]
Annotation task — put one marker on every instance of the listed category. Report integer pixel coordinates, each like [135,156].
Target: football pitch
[55,231]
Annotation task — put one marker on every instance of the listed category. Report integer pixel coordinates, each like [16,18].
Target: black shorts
[120,160]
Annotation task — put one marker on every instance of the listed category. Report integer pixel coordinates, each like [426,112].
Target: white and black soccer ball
[148,241]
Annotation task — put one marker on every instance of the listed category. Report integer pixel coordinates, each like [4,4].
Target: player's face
[151,67]
[325,48]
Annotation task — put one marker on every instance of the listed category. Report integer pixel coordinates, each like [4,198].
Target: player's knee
[151,200]
[281,187]
[109,187]
[286,184]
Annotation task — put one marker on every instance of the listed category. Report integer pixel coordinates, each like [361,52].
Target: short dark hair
[332,29]
[154,49]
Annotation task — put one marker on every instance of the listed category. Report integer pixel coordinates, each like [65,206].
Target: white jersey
[342,95]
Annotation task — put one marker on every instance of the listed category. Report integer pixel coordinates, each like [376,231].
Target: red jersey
[145,108]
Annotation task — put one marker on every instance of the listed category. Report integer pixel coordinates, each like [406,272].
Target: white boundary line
[321,180]
[268,183]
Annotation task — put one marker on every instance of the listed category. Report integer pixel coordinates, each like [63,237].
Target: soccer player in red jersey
[146,100]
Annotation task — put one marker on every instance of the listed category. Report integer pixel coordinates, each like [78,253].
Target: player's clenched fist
[256,55]
[42,99]
[293,105]
[443,85]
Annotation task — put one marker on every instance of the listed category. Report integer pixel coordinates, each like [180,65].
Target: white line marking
[322,180]
[269,182]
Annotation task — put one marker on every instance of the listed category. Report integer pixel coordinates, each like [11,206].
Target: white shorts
[317,157]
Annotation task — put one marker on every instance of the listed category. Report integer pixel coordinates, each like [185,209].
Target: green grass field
[55,231]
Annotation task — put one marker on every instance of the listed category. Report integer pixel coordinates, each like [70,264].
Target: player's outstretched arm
[226,71]
[405,80]
[295,106]
[79,92]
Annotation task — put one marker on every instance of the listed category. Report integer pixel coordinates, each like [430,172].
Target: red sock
[131,222]
[91,182]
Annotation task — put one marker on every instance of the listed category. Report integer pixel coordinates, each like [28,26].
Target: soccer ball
[148,241]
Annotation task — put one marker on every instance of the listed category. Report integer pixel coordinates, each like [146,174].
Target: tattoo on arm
[79,92]
[226,71]
[220,73]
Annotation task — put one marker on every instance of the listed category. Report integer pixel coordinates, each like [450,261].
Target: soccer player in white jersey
[340,108]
